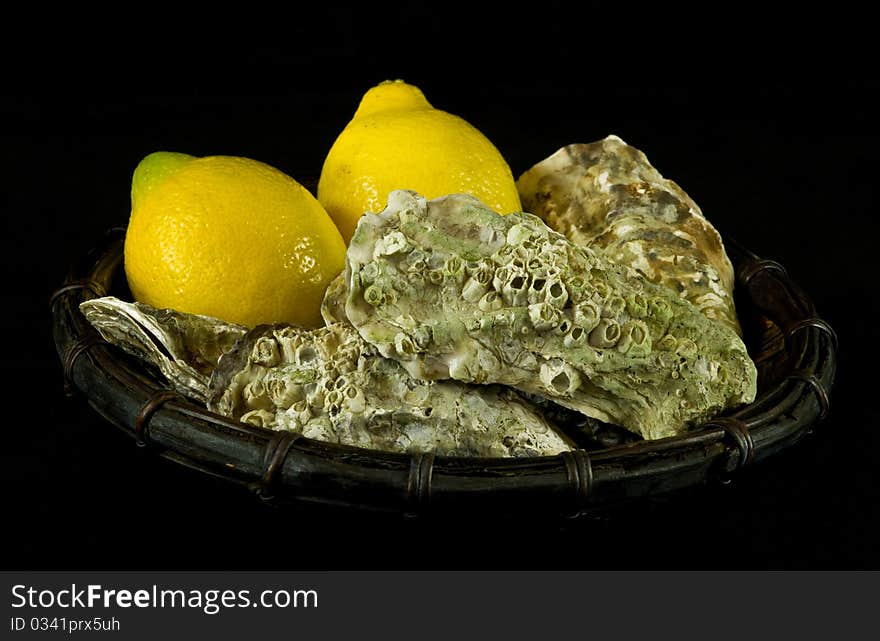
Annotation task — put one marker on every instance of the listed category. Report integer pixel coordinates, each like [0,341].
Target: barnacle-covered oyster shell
[607,195]
[452,290]
[331,385]
[184,347]
[328,383]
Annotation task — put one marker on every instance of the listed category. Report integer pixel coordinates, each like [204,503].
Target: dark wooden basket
[795,352]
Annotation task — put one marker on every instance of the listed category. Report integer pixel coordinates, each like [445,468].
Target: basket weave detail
[579,470]
[812,322]
[142,420]
[77,349]
[817,386]
[751,269]
[796,369]
[76,286]
[277,450]
[739,433]
[418,487]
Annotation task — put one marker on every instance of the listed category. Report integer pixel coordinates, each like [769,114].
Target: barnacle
[536,312]
[606,195]
[605,334]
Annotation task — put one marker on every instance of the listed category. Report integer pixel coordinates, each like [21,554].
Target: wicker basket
[794,350]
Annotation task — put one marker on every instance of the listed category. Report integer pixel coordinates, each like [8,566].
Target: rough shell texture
[607,195]
[184,347]
[450,289]
[331,385]
[333,304]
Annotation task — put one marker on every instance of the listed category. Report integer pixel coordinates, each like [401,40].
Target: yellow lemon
[397,140]
[229,237]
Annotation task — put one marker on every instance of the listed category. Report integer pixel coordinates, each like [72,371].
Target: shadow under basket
[794,350]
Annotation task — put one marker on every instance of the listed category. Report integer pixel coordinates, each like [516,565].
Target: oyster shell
[328,384]
[331,385]
[452,290]
[333,303]
[607,195]
[185,347]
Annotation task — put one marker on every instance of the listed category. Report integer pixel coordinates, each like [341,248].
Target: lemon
[228,237]
[397,140]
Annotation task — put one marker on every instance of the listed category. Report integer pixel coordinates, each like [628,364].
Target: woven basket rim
[286,467]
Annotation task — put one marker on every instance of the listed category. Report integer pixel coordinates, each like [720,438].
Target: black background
[769,124]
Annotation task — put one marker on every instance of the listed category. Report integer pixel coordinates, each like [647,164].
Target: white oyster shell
[185,347]
[606,195]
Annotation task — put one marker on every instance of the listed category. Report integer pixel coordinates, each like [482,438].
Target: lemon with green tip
[229,237]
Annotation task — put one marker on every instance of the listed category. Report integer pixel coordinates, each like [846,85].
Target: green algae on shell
[572,325]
